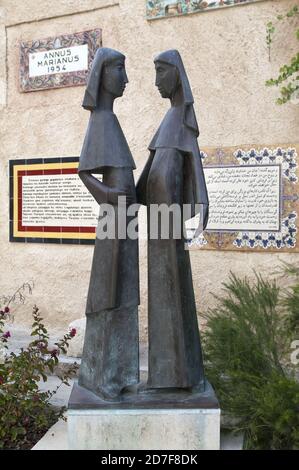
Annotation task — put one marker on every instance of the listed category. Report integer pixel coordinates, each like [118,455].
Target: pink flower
[7,310]
[54,353]
[73,332]
[6,335]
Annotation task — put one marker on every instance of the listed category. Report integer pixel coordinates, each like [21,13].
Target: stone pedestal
[147,420]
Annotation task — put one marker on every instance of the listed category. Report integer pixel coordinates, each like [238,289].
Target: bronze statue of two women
[173,174]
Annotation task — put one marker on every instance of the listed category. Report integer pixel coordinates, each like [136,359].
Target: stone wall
[226,58]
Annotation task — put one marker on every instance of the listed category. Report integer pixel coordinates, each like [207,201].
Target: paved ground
[61,398]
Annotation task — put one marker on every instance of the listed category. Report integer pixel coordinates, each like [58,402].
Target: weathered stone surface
[56,439]
[144,430]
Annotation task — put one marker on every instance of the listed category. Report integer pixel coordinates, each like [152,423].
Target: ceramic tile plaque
[57,62]
[49,203]
[253,193]
[254,199]
[166,8]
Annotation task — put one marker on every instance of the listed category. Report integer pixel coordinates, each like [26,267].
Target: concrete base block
[57,439]
[144,421]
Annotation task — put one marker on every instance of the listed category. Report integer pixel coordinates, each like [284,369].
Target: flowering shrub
[25,411]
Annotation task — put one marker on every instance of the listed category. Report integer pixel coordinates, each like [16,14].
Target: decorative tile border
[166,8]
[93,40]
[285,239]
[286,157]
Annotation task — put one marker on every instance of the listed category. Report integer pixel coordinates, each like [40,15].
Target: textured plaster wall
[227,62]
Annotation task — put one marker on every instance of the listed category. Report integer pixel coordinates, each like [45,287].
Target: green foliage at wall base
[247,350]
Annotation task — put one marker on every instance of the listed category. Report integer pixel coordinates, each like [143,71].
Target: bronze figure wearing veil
[110,360]
[173,174]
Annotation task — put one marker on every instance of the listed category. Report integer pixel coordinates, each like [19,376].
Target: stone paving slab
[61,398]
[55,438]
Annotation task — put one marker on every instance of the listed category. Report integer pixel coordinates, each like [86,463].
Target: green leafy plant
[288,77]
[26,412]
[247,351]
[290,300]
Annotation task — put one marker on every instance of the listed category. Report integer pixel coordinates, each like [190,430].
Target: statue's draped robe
[110,359]
[173,174]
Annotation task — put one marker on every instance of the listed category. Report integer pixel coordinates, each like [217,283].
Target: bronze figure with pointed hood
[110,360]
[173,174]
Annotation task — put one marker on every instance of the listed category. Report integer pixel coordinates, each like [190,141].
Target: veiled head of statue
[107,73]
[170,76]
[167,79]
